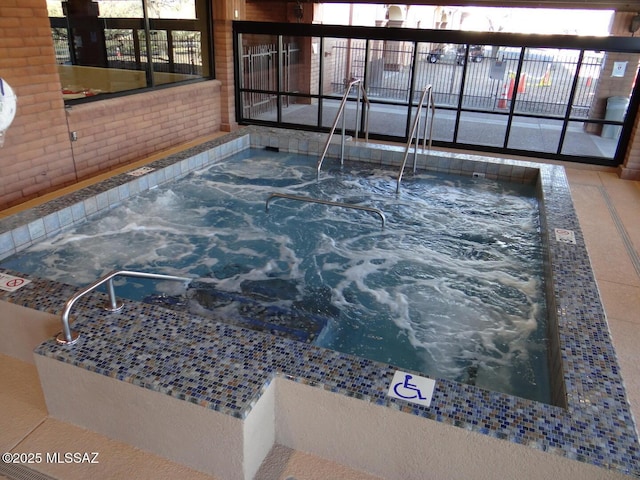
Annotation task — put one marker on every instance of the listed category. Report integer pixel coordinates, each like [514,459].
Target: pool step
[260,307]
[270,306]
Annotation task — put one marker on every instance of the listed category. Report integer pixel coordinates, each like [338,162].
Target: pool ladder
[325,202]
[415,129]
[67,336]
[365,100]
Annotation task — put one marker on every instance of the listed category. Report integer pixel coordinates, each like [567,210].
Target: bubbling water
[452,287]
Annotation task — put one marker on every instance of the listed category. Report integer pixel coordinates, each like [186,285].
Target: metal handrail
[326,202]
[365,99]
[67,337]
[415,132]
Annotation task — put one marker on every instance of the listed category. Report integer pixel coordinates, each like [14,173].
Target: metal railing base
[61,338]
[69,337]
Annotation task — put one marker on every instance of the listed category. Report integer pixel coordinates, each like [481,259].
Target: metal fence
[513,93]
[172,51]
[260,70]
[542,85]
[61,45]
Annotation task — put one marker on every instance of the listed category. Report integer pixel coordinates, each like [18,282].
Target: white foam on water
[451,284]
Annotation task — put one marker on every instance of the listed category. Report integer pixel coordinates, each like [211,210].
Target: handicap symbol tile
[412,388]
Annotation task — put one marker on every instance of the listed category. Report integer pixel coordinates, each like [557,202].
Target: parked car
[455,53]
[476,54]
[438,52]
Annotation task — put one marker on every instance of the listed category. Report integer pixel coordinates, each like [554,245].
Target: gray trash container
[616,110]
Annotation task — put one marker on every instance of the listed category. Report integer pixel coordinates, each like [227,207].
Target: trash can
[616,110]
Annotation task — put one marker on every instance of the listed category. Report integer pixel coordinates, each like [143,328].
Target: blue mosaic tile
[227,368]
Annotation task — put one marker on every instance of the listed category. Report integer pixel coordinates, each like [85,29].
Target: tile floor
[609,210]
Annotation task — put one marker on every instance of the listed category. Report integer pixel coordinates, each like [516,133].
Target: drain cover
[20,472]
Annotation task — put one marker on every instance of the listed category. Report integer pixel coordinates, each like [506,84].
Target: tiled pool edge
[597,409]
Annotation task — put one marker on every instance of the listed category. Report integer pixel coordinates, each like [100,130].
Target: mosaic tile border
[596,426]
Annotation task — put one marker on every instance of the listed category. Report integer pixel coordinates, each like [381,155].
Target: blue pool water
[451,287]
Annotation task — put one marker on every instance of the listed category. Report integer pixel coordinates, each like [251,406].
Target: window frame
[203,24]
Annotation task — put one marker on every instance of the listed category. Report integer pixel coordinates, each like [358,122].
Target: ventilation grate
[20,472]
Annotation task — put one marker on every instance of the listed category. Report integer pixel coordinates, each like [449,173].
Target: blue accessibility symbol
[412,388]
[408,390]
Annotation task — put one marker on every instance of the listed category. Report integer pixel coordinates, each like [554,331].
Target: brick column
[224,12]
[36,156]
[630,169]
[307,71]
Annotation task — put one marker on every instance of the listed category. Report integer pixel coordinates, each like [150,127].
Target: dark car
[457,53]
[476,54]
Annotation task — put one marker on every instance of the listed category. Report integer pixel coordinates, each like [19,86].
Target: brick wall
[609,86]
[224,12]
[117,131]
[38,156]
[630,170]
[223,41]
[259,11]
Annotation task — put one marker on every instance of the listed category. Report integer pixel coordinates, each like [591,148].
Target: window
[510,93]
[111,46]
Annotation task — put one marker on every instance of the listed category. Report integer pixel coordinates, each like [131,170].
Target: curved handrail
[365,100]
[326,202]
[67,337]
[414,132]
